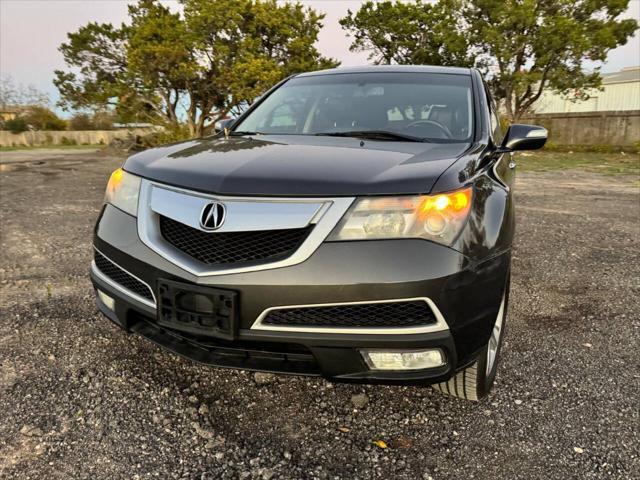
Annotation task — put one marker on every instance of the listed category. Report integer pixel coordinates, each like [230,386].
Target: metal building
[621,91]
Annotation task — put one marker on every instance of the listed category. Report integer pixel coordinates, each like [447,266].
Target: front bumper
[466,294]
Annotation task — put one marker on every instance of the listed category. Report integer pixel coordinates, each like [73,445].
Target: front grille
[393,314]
[219,248]
[121,277]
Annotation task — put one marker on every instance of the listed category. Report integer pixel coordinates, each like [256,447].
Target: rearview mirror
[524,137]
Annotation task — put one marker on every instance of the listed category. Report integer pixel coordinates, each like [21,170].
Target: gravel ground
[81,399]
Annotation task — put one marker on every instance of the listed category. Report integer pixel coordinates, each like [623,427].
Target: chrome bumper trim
[96,271]
[440,325]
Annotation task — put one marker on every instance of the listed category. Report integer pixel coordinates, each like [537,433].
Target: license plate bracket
[197,309]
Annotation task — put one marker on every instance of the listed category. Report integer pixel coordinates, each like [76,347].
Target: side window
[496,129]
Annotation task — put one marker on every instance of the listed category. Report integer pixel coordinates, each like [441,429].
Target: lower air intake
[392,314]
[122,277]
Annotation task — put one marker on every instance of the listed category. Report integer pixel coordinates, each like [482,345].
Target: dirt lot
[81,399]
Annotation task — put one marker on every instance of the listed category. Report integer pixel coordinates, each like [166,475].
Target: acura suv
[352,223]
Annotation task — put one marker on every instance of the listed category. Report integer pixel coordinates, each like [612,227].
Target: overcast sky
[32,30]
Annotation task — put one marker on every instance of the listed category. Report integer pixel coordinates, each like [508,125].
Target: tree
[16,125]
[97,121]
[194,66]
[41,118]
[524,47]
[409,33]
[12,95]
[81,121]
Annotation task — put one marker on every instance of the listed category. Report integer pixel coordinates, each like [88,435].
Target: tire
[475,382]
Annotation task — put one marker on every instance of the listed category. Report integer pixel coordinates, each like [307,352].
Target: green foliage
[598,162]
[212,57]
[41,118]
[68,141]
[16,125]
[168,135]
[97,121]
[523,46]
[410,33]
[81,121]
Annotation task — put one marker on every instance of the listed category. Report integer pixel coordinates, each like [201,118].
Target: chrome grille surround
[244,214]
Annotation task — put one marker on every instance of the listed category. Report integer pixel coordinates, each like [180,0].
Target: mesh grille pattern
[396,314]
[232,247]
[121,277]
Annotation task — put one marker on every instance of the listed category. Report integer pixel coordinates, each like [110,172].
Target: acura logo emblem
[212,216]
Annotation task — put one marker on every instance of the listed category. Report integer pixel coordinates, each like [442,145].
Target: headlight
[122,191]
[434,217]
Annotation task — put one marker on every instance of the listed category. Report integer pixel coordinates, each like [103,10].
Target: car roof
[391,69]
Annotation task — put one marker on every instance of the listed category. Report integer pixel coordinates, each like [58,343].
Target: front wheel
[475,381]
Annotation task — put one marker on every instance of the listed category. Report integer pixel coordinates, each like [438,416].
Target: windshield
[429,106]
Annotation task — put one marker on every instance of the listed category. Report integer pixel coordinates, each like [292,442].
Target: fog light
[403,359]
[108,301]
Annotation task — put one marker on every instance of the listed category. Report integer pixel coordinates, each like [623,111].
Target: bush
[41,118]
[99,121]
[67,141]
[81,121]
[103,121]
[16,125]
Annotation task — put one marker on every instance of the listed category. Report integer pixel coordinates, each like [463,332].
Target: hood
[292,165]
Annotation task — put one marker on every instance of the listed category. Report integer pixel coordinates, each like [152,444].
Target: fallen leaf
[380,444]
[343,429]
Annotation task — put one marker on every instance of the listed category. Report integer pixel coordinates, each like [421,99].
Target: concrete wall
[8,139]
[620,128]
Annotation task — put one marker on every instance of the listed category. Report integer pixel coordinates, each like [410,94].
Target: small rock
[359,400]
[262,378]
[287,455]
[518,402]
[202,432]
[192,412]
[193,399]
[203,410]
[31,431]
[217,442]
[578,450]
[267,474]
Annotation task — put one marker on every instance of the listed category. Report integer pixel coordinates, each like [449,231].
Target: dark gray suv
[353,223]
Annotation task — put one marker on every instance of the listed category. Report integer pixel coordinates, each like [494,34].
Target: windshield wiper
[374,135]
[237,133]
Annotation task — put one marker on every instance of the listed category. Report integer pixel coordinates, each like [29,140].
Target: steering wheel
[444,129]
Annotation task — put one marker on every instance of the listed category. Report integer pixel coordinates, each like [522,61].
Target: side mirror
[523,137]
